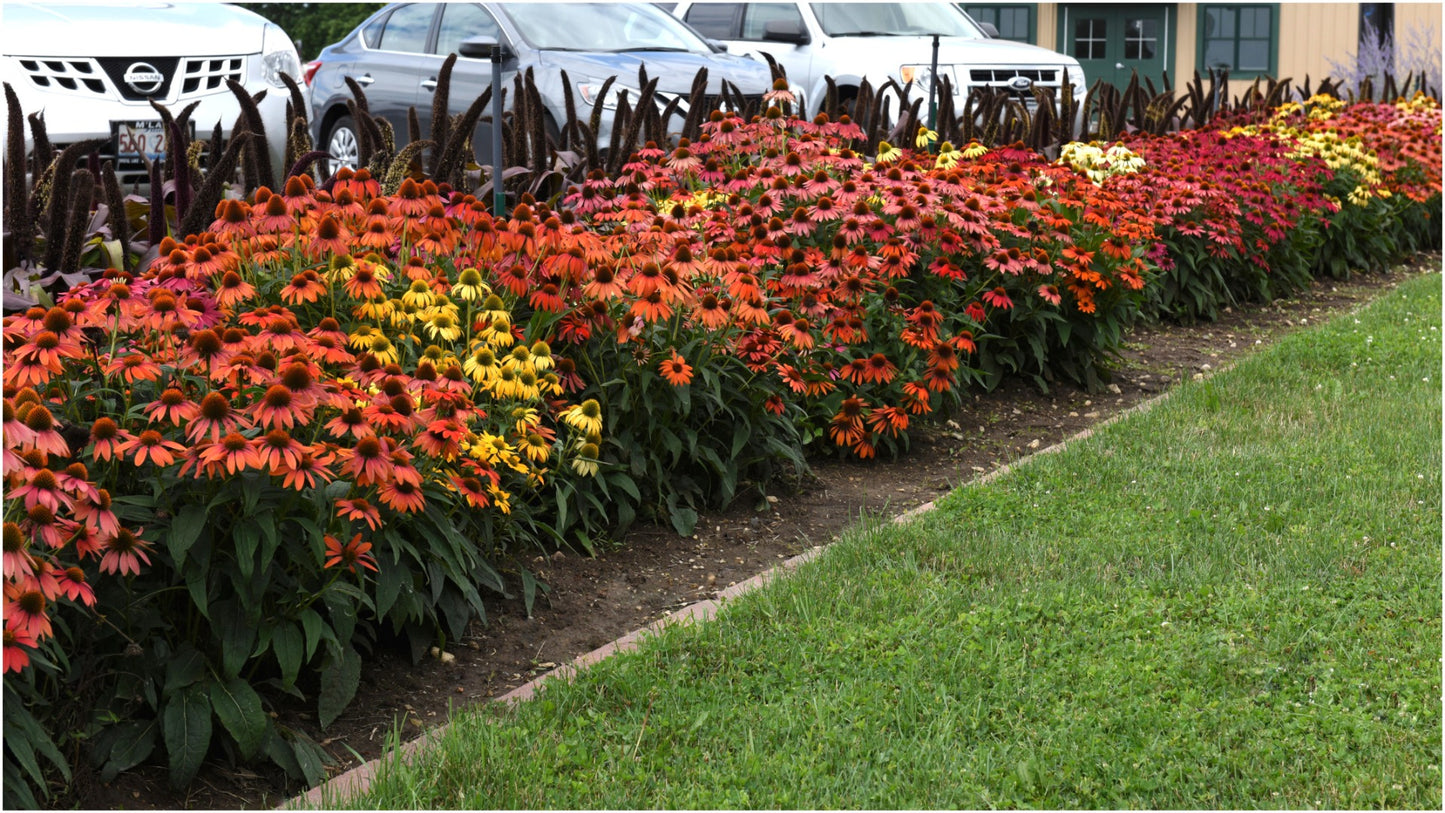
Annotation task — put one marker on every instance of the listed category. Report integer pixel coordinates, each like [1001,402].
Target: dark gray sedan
[396,55]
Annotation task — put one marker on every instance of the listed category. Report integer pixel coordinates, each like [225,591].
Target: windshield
[607,27]
[893,20]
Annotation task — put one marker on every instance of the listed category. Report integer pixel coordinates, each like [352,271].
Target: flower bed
[338,415]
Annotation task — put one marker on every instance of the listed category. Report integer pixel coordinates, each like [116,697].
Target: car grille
[1002,78]
[76,75]
[130,171]
[105,76]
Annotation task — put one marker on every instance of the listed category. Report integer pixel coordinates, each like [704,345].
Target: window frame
[1202,40]
[1032,9]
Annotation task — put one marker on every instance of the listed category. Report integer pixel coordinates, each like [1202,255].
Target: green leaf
[316,631]
[237,634]
[388,584]
[683,521]
[280,752]
[311,759]
[185,530]
[247,537]
[185,667]
[289,644]
[186,724]
[126,746]
[238,707]
[339,679]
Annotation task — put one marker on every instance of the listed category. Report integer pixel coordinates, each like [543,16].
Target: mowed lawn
[1230,600]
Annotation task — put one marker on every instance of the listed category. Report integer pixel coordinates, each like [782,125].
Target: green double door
[1111,42]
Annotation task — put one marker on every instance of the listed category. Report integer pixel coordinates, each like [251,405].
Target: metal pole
[499,202]
[933,90]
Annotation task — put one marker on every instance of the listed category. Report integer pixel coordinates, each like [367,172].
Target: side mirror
[481,48]
[790,31]
[990,29]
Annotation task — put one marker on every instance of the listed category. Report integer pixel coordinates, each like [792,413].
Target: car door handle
[430,84]
[364,79]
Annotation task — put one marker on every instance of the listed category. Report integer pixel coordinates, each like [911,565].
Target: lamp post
[499,202]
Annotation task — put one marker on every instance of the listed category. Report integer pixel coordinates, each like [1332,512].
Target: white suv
[92,71]
[878,42]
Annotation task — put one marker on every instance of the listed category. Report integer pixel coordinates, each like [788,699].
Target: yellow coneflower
[887,152]
[542,356]
[584,417]
[470,286]
[974,150]
[585,463]
[444,325]
[419,294]
[482,366]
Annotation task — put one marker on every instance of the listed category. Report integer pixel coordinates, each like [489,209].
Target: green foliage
[313,26]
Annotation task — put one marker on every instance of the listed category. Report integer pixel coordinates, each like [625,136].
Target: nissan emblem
[143,78]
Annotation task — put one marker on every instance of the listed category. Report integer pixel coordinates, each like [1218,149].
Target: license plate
[137,138]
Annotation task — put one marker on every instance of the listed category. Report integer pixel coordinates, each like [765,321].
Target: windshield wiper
[654,49]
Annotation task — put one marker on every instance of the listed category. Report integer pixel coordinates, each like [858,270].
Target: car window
[407,27]
[371,34]
[756,17]
[716,20]
[605,27]
[893,19]
[462,21]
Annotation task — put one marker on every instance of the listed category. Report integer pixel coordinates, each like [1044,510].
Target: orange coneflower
[44,435]
[351,554]
[234,453]
[368,462]
[124,552]
[846,427]
[350,421]
[651,308]
[214,417]
[472,489]
[304,287]
[676,370]
[134,367]
[359,508]
[107,438]
[42,488]
[173,406]
[888,420]
[442,438]
[233,290]
[278,451]
[95,513]
[279,408]
[604,284]
[73,586]
[17,656]
[18,561]
[402,495]
[25,613]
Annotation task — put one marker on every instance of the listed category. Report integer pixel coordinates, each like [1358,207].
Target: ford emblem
[143,78]
[1021,83]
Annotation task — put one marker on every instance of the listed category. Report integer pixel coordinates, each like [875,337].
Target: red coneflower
[17,656]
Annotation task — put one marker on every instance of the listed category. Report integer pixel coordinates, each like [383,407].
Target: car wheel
[343,144]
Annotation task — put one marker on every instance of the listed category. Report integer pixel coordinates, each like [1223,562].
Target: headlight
[1076,78]
[278,56]
[592,88]
[919,75]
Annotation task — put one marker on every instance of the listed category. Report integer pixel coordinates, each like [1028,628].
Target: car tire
[343,143]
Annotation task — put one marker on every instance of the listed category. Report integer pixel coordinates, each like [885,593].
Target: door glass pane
[407,28]
[1090,38]
[714,20]
[462,21]
[1141,37]
[756,17]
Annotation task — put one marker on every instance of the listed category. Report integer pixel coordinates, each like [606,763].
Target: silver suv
[881,41]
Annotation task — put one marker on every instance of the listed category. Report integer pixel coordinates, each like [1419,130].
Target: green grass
[1230,600]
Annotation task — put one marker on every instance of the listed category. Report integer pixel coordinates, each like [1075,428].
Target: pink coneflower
[25,612]
[17,646]
[278,451]
[96,514]
[46,438]
[42,489]
[214,418]
[124,552]
[18,561]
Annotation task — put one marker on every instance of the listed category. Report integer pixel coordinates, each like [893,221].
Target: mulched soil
[655,572]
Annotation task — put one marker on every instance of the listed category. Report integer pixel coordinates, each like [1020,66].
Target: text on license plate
[146,138]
